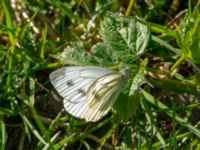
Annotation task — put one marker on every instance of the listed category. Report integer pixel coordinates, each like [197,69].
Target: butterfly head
[125,72]
[125,75]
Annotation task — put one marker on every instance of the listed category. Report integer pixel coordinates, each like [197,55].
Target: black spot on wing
[69,83]
[82,91]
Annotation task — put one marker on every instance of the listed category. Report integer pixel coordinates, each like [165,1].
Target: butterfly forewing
[74,79]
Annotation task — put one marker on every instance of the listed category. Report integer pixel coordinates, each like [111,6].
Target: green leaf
[124,40]
[103,54]
[79,53]
[76,54]
[126,37]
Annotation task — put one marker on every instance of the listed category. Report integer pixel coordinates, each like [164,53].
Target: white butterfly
[89,92]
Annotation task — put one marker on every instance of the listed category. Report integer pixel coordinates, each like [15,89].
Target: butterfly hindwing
[102,95]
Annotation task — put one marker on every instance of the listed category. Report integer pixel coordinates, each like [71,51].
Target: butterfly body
[88,92]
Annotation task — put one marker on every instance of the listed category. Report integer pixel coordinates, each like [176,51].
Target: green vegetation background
[158,39]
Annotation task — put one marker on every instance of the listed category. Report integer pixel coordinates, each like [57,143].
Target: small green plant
[189,35]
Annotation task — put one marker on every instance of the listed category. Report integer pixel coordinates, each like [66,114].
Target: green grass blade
[160,105]
[3,135]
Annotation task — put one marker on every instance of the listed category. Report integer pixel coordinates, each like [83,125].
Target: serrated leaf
[102,54]
[76,54]
[127,37]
